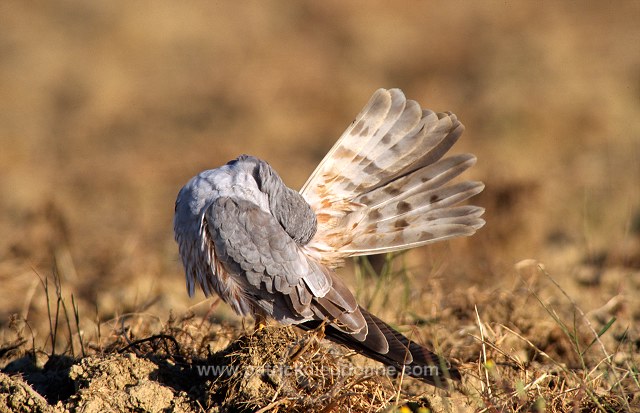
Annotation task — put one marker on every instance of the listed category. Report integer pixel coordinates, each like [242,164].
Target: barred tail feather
[385,185]
[409,221]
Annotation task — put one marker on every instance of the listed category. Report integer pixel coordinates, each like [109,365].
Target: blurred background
[108,107]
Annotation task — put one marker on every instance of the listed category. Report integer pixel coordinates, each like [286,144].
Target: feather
[390,347]
[385,186]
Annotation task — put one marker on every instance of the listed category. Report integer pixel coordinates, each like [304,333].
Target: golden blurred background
[108,107]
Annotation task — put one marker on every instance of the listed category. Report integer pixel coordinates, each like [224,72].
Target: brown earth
[108,108]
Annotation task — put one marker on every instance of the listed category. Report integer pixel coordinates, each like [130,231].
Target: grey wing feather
[271,269]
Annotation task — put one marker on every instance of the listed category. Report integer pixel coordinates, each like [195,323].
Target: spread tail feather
[386,185]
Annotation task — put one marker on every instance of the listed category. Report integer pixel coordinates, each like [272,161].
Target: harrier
[271,252]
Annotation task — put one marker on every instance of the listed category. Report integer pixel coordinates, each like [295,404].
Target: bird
[271,252]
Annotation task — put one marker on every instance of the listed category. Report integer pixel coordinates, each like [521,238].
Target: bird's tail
[414,209]
[386,185]
[403,356]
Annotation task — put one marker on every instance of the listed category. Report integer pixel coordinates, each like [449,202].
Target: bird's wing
[270,268]
[383,185]
[291,287]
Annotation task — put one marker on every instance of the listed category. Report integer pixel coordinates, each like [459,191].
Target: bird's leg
[213,306]
[317,334]
[319,331]
[260,321]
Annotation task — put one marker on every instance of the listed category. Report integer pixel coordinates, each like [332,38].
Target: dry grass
[523,353]
[574,372]
[109,107]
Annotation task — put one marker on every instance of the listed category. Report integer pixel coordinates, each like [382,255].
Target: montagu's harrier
[271,252]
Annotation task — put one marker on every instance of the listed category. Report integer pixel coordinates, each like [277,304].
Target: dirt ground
[108,108]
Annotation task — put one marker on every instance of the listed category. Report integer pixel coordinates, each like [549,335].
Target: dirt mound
[279,367]
[123,383]
[17,396]
[274,367]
